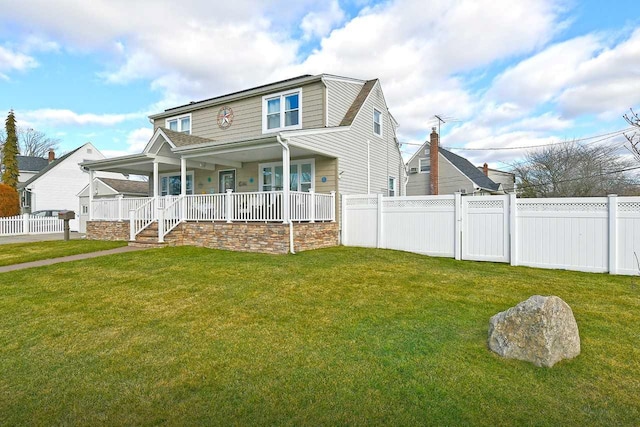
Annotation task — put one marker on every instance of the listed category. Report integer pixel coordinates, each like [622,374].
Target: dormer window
[282,111]
[377,122]
[179,124]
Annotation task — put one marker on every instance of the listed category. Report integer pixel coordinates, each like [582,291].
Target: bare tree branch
[574,170]
[634,138]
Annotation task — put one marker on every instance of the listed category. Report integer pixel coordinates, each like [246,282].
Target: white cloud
[320,23]
[10,60]
[138,139]
[62,117]
[539,78]
[422,52]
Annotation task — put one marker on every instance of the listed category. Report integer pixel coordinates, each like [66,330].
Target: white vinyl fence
[596,234]
[27,224]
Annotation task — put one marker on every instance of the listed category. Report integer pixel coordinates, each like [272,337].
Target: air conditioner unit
[413,170]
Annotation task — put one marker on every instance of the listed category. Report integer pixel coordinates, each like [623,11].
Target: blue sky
[511,74]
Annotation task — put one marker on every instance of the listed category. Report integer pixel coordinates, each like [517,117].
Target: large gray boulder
[541,330]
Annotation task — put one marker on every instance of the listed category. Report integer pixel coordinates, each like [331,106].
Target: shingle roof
[31,163]
[48,167]
[352,112]
[470,171]
[127,186]
[239,92]
[183,139]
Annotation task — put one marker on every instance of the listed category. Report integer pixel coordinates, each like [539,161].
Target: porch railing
[141,218]
[267,206]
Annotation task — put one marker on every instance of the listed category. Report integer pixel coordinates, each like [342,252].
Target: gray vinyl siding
[350,147]
[504,178]
[341,96]
[418,183]
[247,116]
[451,179]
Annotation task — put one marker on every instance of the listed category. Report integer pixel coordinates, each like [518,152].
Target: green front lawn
[17,253]
[186,336]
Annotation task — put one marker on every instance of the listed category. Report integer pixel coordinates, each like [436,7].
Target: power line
[610,135]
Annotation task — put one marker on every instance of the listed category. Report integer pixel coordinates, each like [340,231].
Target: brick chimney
[485,169]
[52,155]
[433,156]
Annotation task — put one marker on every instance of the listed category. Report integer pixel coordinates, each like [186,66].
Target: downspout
[286,172]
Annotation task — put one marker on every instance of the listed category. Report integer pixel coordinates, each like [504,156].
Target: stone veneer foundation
[250,237]
[108,230]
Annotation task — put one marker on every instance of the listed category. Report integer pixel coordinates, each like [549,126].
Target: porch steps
[148,238]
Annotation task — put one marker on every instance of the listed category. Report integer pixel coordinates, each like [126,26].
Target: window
[377,122]
[179,124]
[301,176]
[170,184]
[282,111]
[393,191]
[425,165]
[84,210]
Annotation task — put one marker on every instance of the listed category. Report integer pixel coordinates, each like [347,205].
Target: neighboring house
[332,134]
[506,179]
[28,166]
[452,173]
[108,188]
[57,184]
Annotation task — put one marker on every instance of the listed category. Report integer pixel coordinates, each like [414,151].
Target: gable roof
[470,170]
[48,167]
[352,112]
[180,139]
[127,186]
[31,163]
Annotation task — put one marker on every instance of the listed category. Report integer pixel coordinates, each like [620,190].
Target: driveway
[26,238]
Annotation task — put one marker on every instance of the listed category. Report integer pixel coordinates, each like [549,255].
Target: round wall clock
[225,117]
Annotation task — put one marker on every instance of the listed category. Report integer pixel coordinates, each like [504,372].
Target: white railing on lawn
[267,206]
[27,224]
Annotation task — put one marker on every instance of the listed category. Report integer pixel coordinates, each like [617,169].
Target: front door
[227,180]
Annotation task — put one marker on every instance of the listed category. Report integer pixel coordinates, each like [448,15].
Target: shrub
[9,201]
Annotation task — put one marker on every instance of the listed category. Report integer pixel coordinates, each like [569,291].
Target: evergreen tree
[9,152]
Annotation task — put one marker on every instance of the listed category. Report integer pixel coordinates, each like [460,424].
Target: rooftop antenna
[440,120]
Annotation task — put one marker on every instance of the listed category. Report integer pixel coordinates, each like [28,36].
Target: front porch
[247,199]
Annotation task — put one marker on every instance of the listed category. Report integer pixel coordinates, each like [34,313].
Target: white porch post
[156,185]
[120,215]
[91,173]
[312,206]
[286,183]
[229,205]
[183,188]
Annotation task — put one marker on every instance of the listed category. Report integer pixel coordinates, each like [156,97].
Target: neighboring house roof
[48,168]
[31,163]
[352,112]
[468,169]
[180,139]
[127,186]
